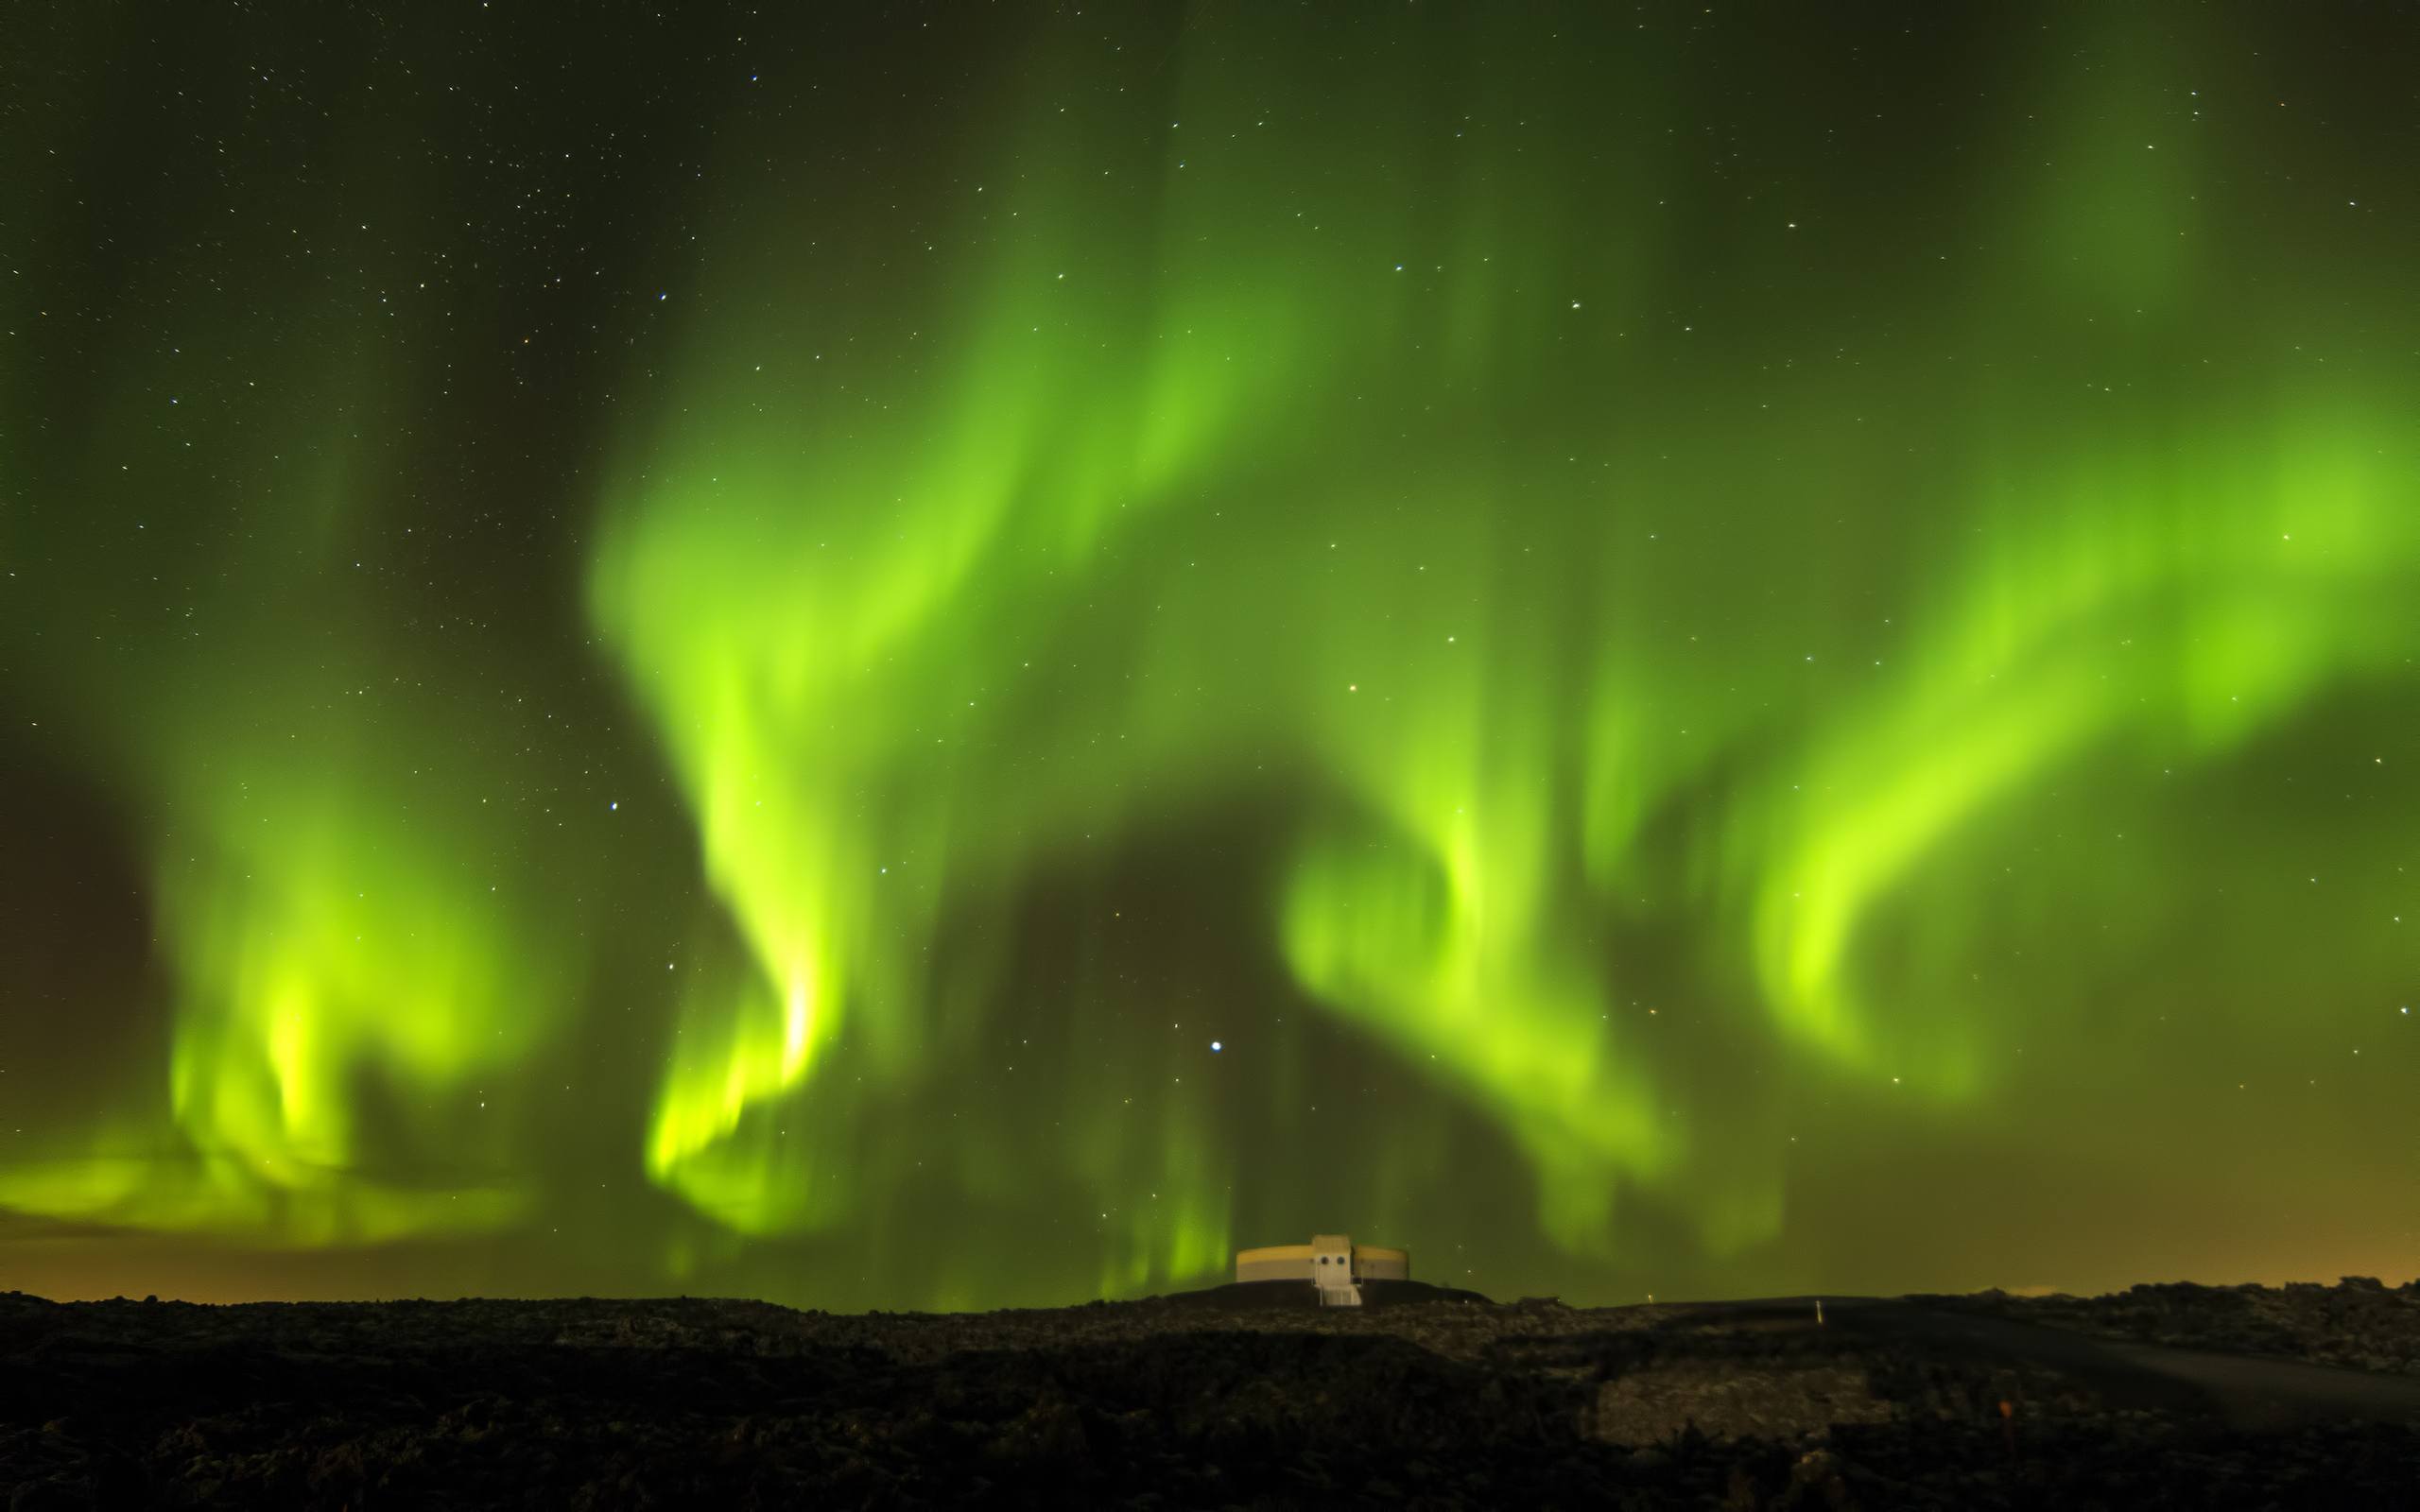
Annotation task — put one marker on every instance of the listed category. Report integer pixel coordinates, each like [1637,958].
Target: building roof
[1274,1252]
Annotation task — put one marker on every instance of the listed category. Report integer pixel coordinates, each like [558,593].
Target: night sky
[965,656]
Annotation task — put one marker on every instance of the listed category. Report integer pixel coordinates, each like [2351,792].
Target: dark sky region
[959,656]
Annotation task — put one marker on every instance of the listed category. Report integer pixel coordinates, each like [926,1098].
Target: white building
[1333,1262]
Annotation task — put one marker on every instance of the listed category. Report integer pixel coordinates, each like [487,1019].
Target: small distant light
[1216,1047]
[613,805]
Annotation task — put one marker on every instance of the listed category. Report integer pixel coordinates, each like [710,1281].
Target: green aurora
[1724,656]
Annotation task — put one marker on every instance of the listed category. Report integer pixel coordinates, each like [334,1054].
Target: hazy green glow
[1679,686]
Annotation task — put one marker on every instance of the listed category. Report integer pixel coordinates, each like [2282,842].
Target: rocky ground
[1160,1403]
[2359,1323]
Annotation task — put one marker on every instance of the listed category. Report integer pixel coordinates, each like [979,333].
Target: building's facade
[1333,1262]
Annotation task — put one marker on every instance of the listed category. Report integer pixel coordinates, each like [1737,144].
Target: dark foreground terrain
[1986,1402]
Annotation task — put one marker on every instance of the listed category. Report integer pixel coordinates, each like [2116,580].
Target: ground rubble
[589,1404]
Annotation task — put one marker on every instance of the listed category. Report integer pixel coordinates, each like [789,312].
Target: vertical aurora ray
[819,611]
